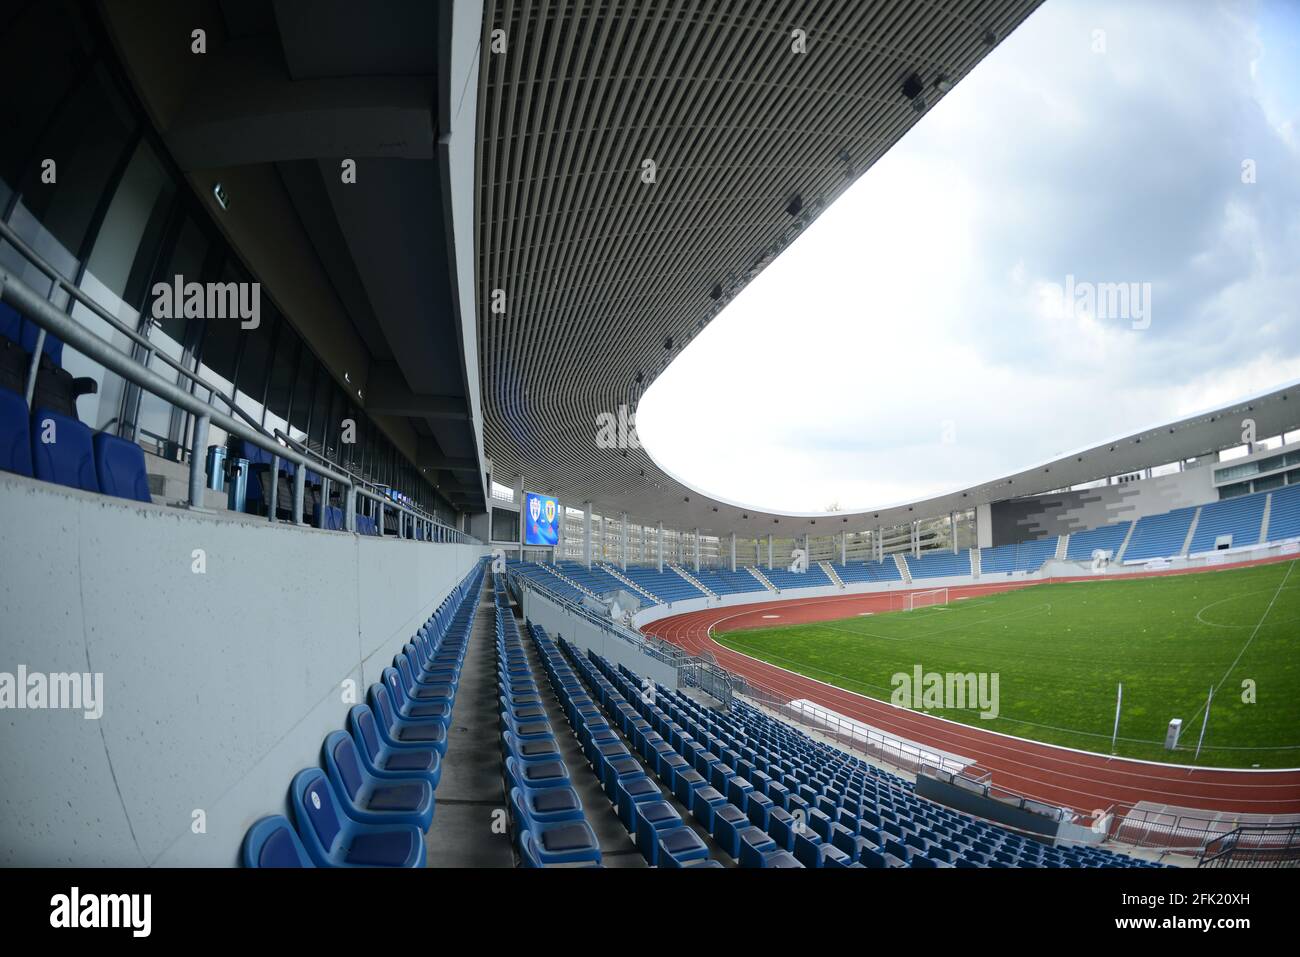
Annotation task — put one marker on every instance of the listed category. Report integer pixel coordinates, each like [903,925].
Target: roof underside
[605,277]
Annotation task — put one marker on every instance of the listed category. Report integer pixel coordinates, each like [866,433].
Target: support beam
[387,394]
[732,564]
[586,534]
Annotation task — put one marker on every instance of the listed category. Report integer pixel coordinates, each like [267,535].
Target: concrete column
[807,549]
[769,549]
[844,548]
[622,550]
[952,525]
[697,549]
[983,526]
[661,546]
[586,534]
[732,565]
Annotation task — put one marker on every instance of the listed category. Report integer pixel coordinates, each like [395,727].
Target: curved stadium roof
[605,278]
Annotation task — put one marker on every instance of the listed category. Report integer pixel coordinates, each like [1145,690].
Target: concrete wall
[558,623]
[218,686]
[1022,519]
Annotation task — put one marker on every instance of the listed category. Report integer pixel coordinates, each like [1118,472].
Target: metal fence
[411,522]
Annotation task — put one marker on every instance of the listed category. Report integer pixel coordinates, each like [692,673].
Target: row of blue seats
[866,802]
[1239,517]
[783,578]
[939,564]
[549,824]
[58,448]
[595,579]
[373,798]
[1107,538]
[1284,514]
[668,749]
[655,826]
[723,581]
[1160,536]
[667,586]
[547,581]
[1017,557]
[821,803]
[885,571]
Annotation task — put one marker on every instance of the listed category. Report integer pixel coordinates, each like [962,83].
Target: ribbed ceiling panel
[601,270]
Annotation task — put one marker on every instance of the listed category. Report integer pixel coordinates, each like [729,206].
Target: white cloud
[914,304]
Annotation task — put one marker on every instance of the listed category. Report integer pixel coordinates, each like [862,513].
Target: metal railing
[50,320]
[1255,845]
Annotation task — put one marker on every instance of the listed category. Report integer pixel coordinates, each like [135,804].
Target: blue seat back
[313,800]
[272,842]
[363,726]
[341,755]
[119,466]
[11,324]
[68,458]
[15,434]
[383,705]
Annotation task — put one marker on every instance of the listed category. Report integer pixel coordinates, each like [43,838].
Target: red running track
[1056,775]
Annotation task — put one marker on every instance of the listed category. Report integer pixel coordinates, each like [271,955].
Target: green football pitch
[1060,651]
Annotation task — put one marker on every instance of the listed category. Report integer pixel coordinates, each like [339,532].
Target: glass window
[158,422]
[280,389]
[255,363]
[125,246]
[320,411]
[304,387]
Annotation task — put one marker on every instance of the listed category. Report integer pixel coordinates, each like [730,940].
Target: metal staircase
[1191,530]
[692,579]
[613,570]
[829,569]
[565,578]
[903,570]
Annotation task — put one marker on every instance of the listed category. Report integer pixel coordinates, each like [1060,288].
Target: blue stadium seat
[272,842]
[367,798]
[388,762]
[15,434]
[406,732]
[69,457]
[560,842]
[335,840]
[119,466]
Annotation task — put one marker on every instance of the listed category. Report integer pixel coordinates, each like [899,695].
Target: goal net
[929,598]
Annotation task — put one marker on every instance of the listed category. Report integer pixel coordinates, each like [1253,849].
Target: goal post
[928,598]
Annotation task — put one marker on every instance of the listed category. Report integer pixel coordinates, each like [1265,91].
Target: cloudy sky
[916,338]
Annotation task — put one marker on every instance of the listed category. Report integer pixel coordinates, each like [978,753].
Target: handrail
[1274,844]
[39,310]
[62,282]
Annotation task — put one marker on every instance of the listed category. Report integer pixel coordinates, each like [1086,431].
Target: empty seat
[62,451]
[15,434]
[119,466]
[334,840]
[365,797]
[272,842]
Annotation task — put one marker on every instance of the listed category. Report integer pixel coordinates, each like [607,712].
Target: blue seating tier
[1238,517]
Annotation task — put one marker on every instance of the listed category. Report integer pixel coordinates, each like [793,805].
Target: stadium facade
[300,300]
